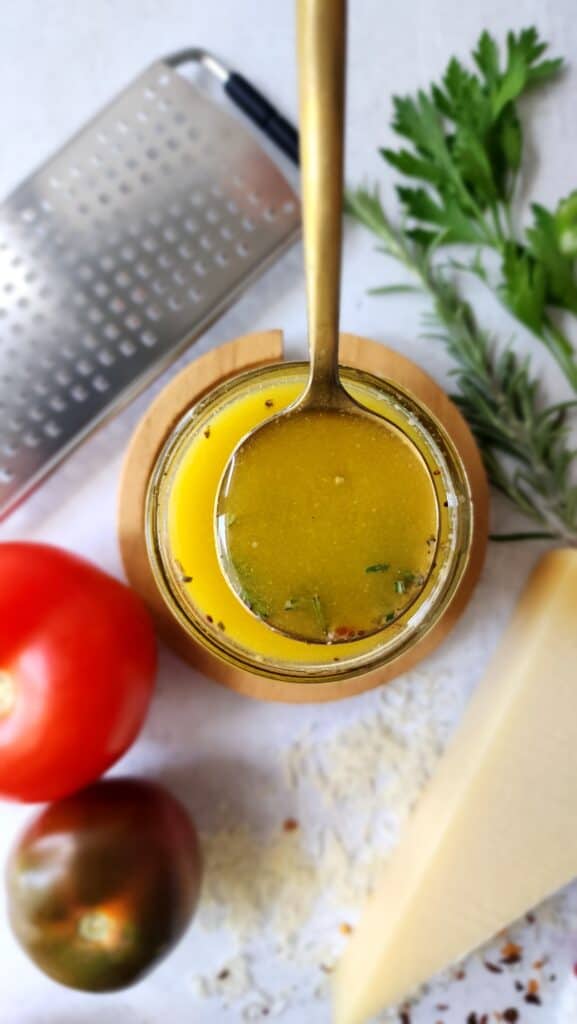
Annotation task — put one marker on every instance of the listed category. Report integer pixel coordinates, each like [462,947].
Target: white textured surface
[61,61]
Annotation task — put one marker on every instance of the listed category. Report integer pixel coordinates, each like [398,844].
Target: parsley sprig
[463,142]
[463,148]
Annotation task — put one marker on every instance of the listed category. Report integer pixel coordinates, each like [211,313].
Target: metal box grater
[119,252]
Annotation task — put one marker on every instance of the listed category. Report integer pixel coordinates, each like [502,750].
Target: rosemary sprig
[523,440]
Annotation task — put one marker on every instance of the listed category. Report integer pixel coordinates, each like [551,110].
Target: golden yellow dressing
[328,524]
[190,524]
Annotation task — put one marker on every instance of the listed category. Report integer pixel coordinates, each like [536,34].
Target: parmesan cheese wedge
[496,829]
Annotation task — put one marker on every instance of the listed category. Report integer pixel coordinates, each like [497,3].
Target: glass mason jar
[180,535]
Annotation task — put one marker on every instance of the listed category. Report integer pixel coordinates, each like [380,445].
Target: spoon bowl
[316,530]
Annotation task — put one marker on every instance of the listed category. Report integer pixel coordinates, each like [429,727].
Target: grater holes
[111,332]
[83,367]
[30,439]
[163,79]
[107,263]
[138,295]
[132,164]
[160,128]
[127,348]
[216,191]
[9,449]
[179,278]
[232,206]
[133,322]
[149,244]
[85,273]
[190,226]
[145,178]
[175,210]
[100,383]
[226,233]
[172,144]
[185,251]
[121,127]
[149,339]
[270,214]
[125,188]
[149,94]
[212,215]
[248,224]
[105,357]
[28,215]
[159,287]
[169,234]
[79,393]
[206,243]
[196,198]
[199,268]
[142,116]
[153,312]
[101,289]
[179,117]
[128,252]
[63,377]
[288,207]
[35,414]
[52,429]
[166,168]
[165,261]
[117,305]
[221,259]
[241,249]
[122,278]
[175,304]
[152,153]
[6,475]
[57,403]
[143,270]
[95,315]
[154,218]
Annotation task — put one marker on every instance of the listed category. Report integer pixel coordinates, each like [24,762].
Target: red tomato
[77,669]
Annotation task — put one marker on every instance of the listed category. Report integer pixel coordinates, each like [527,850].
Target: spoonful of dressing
[326,515]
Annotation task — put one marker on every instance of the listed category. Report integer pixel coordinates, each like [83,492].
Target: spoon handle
[322,52]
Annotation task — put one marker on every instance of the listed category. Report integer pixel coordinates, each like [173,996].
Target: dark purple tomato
[102,885]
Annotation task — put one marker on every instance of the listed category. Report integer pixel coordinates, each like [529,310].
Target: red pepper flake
[530,918]
[206,432]
[405,1017]
[533,987]
[511,953]
[290,825]
[533,999]
[519,986]
[345,929]
[442,1007]
[326,969]
[223,975]
[460,975]
[539,964]
[269,403]
[209,618]
[493,968]
[574,971]
[221,626]
[511,1015]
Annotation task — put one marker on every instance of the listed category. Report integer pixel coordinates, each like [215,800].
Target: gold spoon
[324,405]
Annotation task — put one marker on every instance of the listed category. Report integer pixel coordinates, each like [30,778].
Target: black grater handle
[263,114]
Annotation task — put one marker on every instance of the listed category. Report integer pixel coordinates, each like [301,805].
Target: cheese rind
[496,830]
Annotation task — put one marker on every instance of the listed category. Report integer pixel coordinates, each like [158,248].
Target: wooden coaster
[193,382]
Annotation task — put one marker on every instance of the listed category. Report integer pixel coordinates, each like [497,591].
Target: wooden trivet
[201,376]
